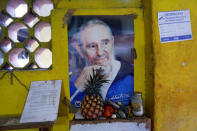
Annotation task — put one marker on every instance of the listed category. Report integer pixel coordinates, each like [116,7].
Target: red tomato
[108,111]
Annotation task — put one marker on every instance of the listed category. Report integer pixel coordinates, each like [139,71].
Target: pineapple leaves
[95,81]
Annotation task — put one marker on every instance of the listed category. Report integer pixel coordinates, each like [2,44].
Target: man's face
[97,44]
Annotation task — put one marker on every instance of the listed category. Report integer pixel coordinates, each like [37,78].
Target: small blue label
[176,38]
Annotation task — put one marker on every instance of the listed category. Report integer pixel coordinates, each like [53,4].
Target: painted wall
[140,77]
[12,97]
[175,84]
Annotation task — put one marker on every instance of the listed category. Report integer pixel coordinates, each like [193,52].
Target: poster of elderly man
[101,42]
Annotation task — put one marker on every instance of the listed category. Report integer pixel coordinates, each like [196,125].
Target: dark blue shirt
[120,90]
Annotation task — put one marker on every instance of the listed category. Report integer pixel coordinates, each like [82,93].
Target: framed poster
[101,41]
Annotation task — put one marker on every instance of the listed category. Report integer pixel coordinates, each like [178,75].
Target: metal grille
[25,35]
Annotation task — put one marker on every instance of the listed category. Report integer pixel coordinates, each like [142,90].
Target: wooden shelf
[13,123]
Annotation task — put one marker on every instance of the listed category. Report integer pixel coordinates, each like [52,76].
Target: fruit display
[117,110]
[108,111]
[92,105]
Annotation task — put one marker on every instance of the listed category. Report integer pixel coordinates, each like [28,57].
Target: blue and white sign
[174,26]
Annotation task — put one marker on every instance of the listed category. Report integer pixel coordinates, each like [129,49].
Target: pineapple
[92,106]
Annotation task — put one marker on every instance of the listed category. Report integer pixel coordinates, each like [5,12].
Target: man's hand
[84,76]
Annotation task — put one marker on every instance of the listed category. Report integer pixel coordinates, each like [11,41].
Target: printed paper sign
[174,26]
[42,101]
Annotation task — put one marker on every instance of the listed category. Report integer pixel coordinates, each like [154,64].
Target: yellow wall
[143,36]
[140,77]
[175,85]
[12,97]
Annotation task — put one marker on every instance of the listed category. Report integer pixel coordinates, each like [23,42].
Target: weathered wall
[140,74]
[13,97]
[175,85]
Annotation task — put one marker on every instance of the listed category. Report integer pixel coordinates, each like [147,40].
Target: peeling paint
[175,72]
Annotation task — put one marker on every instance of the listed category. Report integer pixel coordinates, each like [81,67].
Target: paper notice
[174,26]
[42,102]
